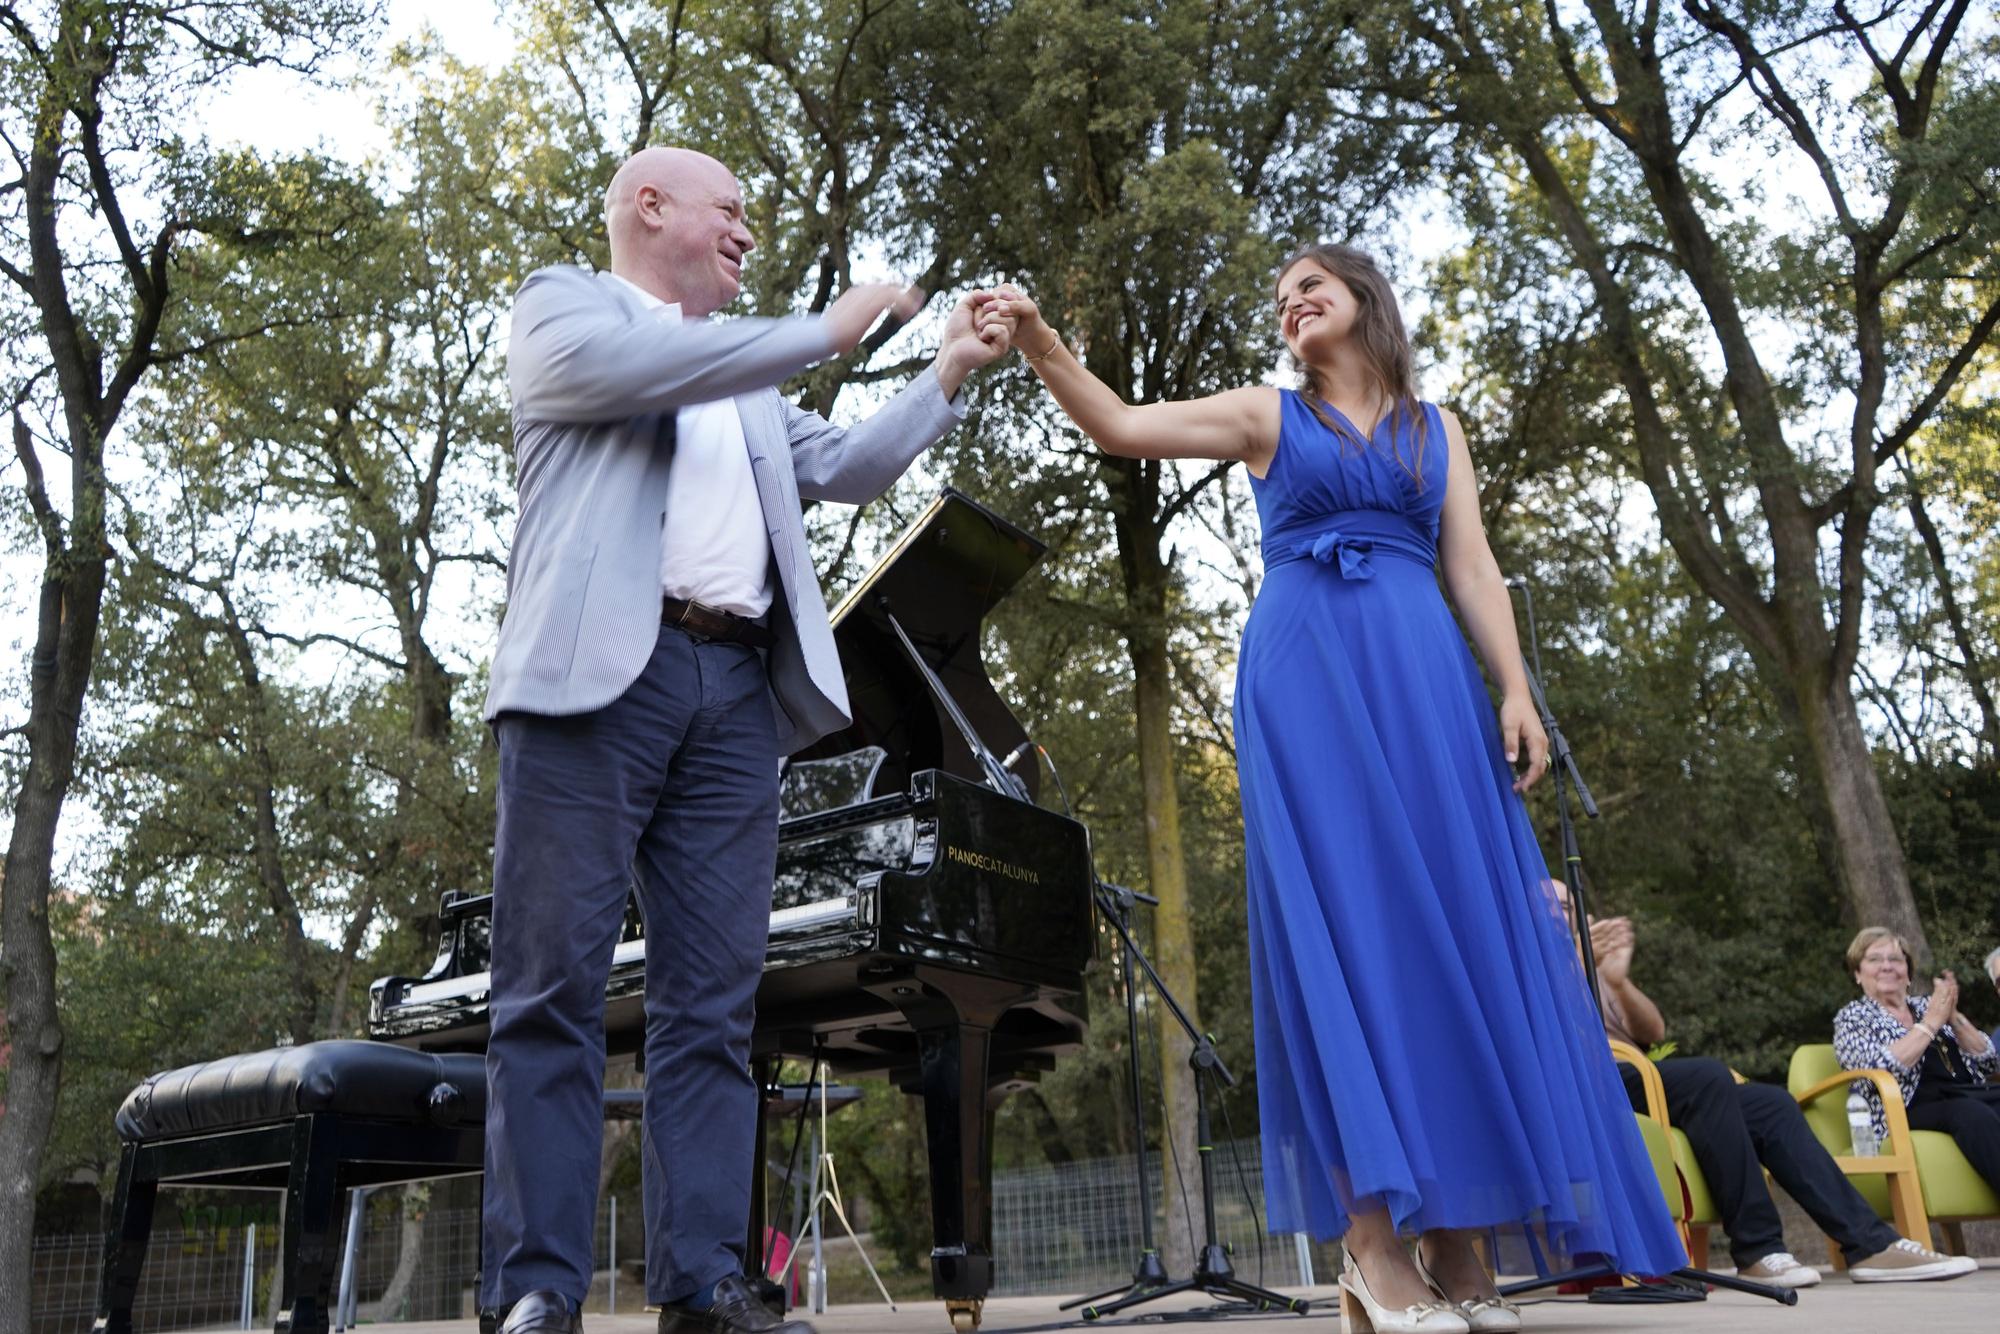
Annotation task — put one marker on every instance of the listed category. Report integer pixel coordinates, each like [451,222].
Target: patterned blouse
[1862,1034]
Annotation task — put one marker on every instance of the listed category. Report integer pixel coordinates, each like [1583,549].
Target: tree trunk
[59,674]
[33,1032]
[413,1206]
[1166,872]
[1800,659]
[1849,795]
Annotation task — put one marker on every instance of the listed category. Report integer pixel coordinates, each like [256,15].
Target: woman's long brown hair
[1385,349]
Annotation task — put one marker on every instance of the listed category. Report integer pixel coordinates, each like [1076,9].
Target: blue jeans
[673,787]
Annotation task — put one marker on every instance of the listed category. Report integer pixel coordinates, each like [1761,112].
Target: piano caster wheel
[964,1315]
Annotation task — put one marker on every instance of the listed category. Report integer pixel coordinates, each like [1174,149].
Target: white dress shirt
[713,547]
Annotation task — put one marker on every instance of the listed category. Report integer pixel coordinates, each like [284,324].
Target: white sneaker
[1907,1262]
[1779,1270]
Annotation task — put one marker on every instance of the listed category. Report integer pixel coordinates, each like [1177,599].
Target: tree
[106,191]
[341,487]
[1615,120]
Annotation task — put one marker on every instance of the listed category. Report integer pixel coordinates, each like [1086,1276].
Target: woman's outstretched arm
[1239,424]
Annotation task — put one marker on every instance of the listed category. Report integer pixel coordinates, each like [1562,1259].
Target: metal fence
[191,1279]
[410,1262]
[1072,1228]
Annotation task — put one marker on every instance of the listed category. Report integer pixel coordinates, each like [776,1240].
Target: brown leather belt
[714,623]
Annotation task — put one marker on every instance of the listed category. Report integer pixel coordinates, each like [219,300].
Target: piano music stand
[826,1191]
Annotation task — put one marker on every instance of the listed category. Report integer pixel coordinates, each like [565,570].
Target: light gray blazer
[596,382]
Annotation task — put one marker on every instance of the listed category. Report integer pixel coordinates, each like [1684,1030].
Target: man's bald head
[675,221]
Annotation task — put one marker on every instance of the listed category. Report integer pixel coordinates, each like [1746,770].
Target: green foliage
[152,981]
[284,750]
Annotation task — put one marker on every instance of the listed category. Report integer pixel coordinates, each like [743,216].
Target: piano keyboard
[834,912]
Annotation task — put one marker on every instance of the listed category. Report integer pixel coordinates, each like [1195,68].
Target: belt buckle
[717,619]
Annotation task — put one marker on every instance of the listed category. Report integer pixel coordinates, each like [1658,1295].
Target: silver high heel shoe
[1484,1315]
[1360,1312]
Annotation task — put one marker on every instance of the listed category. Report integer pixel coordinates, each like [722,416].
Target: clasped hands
[1942,1011]
[982,326]
[977,333]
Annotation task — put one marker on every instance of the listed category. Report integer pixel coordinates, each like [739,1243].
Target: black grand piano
[929,923]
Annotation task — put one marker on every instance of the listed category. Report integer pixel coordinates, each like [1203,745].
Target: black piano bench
[310,1121]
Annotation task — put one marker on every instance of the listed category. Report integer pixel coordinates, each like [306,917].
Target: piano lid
[940,578]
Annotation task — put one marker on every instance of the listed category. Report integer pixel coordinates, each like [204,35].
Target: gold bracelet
[1046,355]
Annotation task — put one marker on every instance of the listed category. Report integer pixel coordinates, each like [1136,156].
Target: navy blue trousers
[1973,1122]
[1737,1130]
[672,787]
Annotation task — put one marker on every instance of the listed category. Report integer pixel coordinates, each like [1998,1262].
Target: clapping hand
[1943,1006]
[1611,943]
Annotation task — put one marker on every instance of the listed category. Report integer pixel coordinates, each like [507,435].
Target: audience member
[1734,1128]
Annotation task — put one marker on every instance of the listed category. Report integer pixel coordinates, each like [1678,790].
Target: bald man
[665,645]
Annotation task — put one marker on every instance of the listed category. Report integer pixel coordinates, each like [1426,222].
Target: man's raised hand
[979,330]
[857,309]
[976,334]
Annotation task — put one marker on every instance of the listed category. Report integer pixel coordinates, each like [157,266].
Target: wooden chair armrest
[1654,1087]
[1887,1089]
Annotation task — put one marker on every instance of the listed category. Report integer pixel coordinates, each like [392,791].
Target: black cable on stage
[1234,1312]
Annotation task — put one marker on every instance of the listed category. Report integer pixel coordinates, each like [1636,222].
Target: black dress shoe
[542,1313]
[736,1311]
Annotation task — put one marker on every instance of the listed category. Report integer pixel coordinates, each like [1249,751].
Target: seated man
[1733,1128]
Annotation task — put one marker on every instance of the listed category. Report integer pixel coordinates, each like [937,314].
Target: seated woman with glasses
[1942,1062]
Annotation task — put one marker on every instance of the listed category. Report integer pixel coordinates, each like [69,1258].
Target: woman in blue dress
[1428,1059]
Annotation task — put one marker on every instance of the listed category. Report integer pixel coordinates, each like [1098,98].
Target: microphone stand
[1562,764]
[1115,902]
[1213,1273]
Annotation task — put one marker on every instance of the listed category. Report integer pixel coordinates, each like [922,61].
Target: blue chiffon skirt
[1425,1041]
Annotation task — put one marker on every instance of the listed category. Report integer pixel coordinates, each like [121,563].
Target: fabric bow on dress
[1346,554]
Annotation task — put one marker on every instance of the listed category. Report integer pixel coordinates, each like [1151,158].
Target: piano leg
[954,1047]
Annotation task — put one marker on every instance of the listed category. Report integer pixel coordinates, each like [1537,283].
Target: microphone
[1516,581]
[1014,755]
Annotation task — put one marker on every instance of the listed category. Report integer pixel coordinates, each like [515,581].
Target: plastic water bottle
[1860,1125]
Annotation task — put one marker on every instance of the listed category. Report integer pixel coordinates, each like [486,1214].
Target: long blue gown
[1424,1037]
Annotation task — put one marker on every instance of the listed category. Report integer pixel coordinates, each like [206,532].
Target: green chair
[1689,1199]
[1918,1179]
